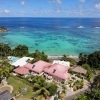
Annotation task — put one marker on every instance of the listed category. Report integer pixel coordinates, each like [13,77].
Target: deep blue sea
[54,36]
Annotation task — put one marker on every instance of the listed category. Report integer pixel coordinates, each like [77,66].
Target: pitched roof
[58,71]
[5,95]
[80,70]
[21,70]
[38,66]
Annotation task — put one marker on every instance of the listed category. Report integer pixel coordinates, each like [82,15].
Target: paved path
[71,95]
[11,87]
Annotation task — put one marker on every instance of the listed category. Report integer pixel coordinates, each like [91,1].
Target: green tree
[94,59]
[20,50]
[52,88]
[81,97]
[89,74]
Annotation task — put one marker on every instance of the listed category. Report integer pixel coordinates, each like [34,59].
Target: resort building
[33,69]
[65,63]
[80,70]
[23,71]
[57,72]
[38,67]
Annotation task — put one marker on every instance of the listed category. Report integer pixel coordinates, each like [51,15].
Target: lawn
[18,85]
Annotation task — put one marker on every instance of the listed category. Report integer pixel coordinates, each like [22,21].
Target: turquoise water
[14,59]
[53,36]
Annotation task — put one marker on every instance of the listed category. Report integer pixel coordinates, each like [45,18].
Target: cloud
[56,1]
[59,1]
[82,1]
[23,3]
[23,12]
[6,11]
[97,5]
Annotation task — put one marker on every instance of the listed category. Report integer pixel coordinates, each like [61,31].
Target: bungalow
[80,70]
[23,71]
[5,95]
[58,72]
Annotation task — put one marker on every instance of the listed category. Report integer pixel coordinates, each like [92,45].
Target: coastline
[58,57]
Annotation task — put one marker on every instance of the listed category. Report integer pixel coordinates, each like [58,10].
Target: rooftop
[80,70]
[21,70]
[58,71]
[38,66]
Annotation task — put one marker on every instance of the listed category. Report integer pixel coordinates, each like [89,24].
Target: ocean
[54,36]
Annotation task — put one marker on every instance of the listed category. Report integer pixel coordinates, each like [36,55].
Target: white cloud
[82,1]
[59,1]
[6,11]
[23,12]
[97,5]
[23,3]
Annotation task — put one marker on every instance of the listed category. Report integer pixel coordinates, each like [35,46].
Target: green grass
[17,84]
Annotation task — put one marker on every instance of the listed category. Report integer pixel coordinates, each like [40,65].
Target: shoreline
[58,57]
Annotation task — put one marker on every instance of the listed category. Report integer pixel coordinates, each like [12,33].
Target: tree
[94,59]
[20,50]
[4,71]
[71,60]
[52,89]
[4,50]
[96,82]
[81,97]
[89,74]
[39,56]
[83,58]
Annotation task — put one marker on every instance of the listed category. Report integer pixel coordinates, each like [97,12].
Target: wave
[21,27]
[81,27]
[97,27]
[64,27]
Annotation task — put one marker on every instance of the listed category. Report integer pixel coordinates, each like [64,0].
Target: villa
[33,69]
[58,72]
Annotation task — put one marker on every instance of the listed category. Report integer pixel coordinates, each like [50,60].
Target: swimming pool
[13,59]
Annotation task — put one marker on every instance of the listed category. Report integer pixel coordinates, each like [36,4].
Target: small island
[3,29]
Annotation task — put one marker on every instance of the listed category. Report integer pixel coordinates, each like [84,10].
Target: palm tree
[4,72]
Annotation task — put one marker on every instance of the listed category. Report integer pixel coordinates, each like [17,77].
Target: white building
[65,63]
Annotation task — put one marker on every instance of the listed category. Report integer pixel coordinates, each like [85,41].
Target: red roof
[60,71]
[21,70]
[38,66]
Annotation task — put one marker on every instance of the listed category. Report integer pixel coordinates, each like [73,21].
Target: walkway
[71,95]
[11,87]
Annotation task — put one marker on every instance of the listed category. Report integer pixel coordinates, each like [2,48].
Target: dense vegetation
[41,87]
[93,93]
[71,60]
[20,51]
[92,59]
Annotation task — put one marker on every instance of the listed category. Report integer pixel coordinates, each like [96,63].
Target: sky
[50,8]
